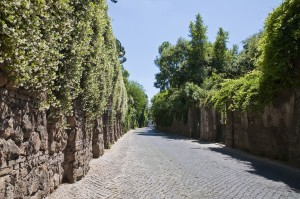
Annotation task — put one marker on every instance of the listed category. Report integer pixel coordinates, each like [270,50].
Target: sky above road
[142,25]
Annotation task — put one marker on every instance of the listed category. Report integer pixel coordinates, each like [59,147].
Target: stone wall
[26,166]
[274,133]
[78,151]
[36,153]
[98,139]
[180,127]
[211,125]
[112,129]
[204,124]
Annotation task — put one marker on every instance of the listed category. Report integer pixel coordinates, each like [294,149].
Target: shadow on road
[170,136]
[266,168]
[153,132]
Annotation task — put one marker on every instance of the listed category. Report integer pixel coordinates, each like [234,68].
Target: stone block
[53,147]
[23,172]
[44,178]
[6,171]
[7,128]
[78,173]
[14,150]
[26,149]
[3,165]
[11,163]
[21,189]
[9,191]
[16,166]
[4,151]
[34,184]
[44,137]
[56,180]
[26,126]
[42,157]
[2,186]
[18,135]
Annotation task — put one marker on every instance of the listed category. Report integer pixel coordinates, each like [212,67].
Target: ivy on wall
[63,50]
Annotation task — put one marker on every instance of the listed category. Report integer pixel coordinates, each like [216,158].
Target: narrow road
[148,164]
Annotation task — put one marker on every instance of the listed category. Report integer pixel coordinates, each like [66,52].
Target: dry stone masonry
[36,154]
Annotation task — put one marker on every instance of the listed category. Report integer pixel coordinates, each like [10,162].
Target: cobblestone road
[147,164]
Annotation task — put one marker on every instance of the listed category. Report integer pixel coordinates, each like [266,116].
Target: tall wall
[274,133]
[112,129]
[203,123]
[183,128]
[36,154]
[212,126]
[26,166]
[78,151]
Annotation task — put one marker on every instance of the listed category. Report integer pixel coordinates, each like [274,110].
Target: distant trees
[137,105]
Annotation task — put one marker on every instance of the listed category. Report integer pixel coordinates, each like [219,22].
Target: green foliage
[119,96]
[213,82]
[236,94]
[230,80]
[275,52]
[280,49]
[197,59]
[33,38]
[171,62]
[218,59]
[160,109]
[175,103]
[187,61]
[245,61]
[63,50]
[137,106]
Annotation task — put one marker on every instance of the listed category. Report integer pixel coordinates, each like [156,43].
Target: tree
[170,62]
[137,105]
[240,63]
[279,46]
[249,55]
[218,61]
[197,61]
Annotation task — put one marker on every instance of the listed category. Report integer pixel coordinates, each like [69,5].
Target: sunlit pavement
[149,164]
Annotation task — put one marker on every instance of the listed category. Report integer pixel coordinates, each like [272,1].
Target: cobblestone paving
[149,164]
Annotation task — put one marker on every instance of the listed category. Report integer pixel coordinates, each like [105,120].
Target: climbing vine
[62,50]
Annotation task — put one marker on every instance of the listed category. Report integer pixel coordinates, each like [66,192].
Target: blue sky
[142,25]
